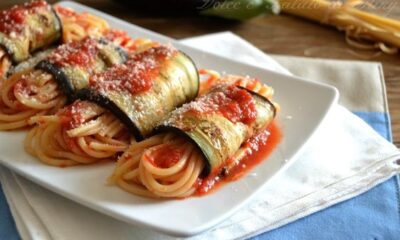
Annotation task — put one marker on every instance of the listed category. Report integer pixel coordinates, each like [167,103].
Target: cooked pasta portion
[199,142]
[165,165]
[45,88]
[132,45]
[26,94]
[81,133]
[136,95]
[77,26]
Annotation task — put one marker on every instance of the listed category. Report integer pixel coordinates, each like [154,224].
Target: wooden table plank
[278,34]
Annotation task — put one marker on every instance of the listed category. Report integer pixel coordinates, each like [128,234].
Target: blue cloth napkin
[372,215]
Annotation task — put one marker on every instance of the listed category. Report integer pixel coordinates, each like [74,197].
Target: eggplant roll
[219,122]
[27,28]
[146,88]
[72,64]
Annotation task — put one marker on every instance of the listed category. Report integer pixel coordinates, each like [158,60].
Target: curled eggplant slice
[219,122]
[146,88]
[28,27]
[30,62]
[72,64]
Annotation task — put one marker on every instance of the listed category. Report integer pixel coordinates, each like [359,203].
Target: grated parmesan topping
[137,74]
[235,104]
[12,20]
[80,53]
[78,113]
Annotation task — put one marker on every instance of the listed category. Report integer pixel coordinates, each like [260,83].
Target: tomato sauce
[235,104]
[136,75]
[72,115]
[12,20]
[258,147]
[67,12]
[80,53]
[165,156]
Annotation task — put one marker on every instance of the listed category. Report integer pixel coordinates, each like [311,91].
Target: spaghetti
[44,89]
[151,84]
[199,142]
[77,26]
[81,133]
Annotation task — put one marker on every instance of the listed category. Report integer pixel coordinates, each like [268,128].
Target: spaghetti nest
[168,165]
[81,133]
[148,169]
[26,94]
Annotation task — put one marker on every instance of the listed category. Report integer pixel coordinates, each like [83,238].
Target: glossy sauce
[12,20]
[259,148]
[136,75]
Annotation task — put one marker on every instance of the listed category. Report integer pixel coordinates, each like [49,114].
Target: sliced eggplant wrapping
[28,27]
[219,122]
[30,62]
[146,88]
[72,64]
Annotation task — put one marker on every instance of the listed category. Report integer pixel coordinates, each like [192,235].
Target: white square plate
[306,102]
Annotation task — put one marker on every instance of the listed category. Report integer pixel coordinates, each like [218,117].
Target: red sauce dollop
[235,104]
[136,75]
[12,20]
[259,148]
[80,53]
[166,156]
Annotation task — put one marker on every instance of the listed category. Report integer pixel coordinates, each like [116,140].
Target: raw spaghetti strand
[59,140]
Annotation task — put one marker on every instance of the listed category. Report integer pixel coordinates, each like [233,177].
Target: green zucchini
[27,28]
[216,136]
[173,80]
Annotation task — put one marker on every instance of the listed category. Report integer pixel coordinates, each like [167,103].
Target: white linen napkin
[365,160]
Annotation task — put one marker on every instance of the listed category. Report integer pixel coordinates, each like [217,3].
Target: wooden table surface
[281,34]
